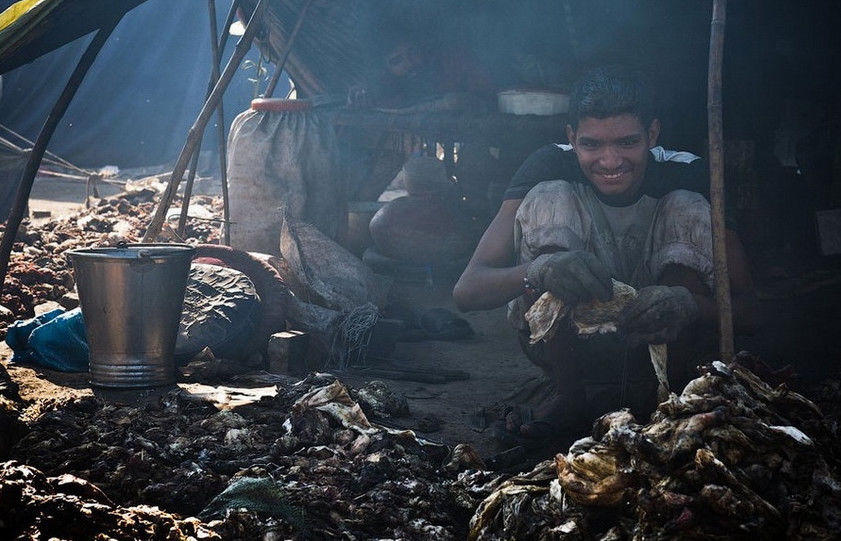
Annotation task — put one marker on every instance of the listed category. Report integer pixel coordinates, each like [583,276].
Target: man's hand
[658,314]
[571,276]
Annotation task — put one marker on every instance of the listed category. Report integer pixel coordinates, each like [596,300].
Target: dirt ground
[498,369]
[802,321]
[492,357]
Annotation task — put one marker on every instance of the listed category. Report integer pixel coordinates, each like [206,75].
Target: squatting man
[610,204]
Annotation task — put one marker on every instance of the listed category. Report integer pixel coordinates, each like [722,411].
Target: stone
[287,352]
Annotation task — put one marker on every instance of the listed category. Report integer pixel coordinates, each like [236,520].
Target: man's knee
[683,214]
[552,217]
[682,235]
[549,200]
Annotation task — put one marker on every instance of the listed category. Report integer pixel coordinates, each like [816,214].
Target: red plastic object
[279,105]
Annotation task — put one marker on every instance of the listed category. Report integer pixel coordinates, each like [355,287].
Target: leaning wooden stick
[220,128]
[716,156]
[194,135]
[188,190]
[221,145]
[31,169]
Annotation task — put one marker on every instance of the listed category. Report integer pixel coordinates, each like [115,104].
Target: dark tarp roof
[774,50]
[49,24]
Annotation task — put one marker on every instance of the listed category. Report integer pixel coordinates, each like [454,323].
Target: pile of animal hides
[728,457]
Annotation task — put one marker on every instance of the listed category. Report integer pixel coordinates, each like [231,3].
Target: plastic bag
[55,340]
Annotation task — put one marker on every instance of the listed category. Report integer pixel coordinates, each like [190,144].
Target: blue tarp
[141,95]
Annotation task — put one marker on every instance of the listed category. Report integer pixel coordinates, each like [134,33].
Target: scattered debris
[377,400]
[309,440]
[39,507]
[729,456]
[11,405]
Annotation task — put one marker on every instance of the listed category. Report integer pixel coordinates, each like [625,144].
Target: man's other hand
[658,314]
[573,277]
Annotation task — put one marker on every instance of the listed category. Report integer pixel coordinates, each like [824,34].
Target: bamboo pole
[216,57]
[226,28]
[44,136]
[193,136]
[280,65]
[716,157]
[188,189]
[221,146]
[58,160]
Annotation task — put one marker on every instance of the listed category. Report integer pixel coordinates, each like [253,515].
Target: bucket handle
[143,253]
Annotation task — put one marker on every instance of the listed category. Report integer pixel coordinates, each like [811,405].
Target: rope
[350,341]
[59,159]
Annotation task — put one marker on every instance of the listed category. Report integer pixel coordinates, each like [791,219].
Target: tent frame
[217,45]
[46,133]
[195,134]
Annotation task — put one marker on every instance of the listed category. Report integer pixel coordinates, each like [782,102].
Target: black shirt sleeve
[549,162]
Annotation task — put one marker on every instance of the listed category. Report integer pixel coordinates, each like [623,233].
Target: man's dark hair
[610,91]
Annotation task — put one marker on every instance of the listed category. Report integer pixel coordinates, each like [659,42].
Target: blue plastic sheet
[55,340]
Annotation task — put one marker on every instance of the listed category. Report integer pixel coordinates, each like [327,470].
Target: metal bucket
[131,298]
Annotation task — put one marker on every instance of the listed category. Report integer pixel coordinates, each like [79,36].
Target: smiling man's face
[613,153]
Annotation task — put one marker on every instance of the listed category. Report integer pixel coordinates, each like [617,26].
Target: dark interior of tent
[780,75]
[781,108]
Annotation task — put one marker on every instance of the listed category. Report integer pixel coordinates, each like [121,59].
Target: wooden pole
[716,156]
[194,135]
[40,146]
[221,146]
[220,124]
[226,28]
[188,189]
[280,65]
[273,81]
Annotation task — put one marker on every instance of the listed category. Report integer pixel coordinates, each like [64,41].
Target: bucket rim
[131,251]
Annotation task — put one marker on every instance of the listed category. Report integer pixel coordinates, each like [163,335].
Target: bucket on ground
[131,298]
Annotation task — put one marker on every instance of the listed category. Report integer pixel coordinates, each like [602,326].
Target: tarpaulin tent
[31,28]
[140,96]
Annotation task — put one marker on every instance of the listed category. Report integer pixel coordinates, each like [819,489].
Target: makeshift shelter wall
[774,50]
[531,43]
[141,95]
